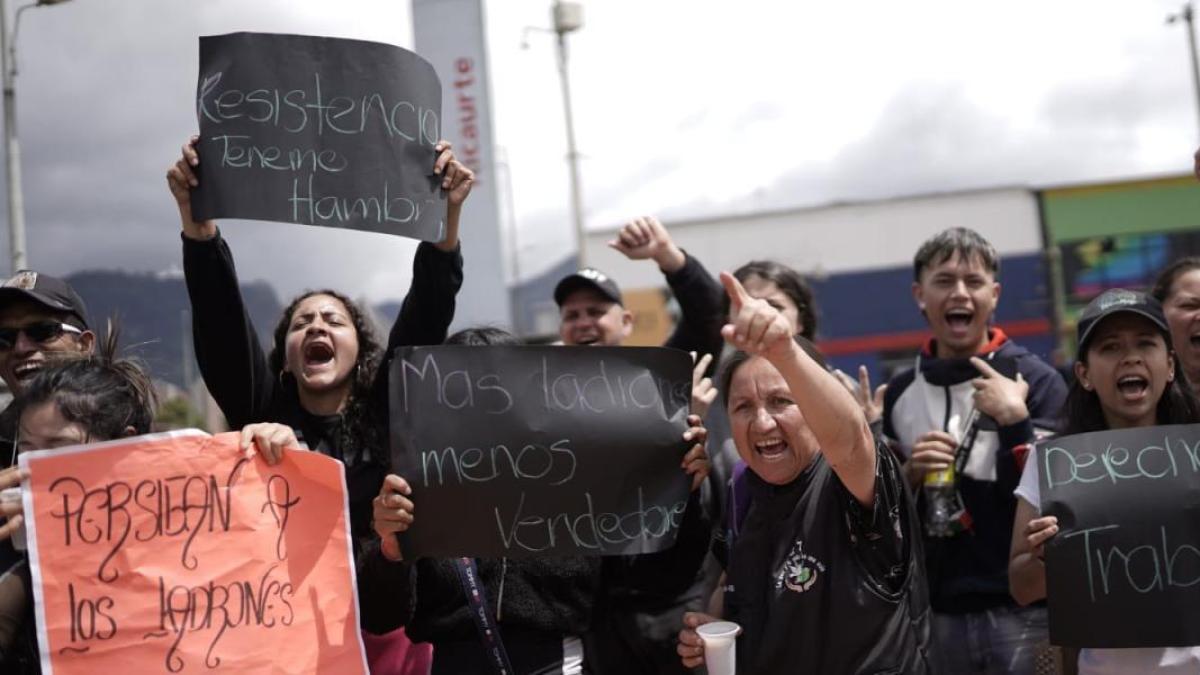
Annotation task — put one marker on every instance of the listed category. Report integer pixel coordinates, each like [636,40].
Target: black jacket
[236,372]
[699,297]
[969,572]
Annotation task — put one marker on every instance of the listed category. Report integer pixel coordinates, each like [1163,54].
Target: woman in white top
[1126,376]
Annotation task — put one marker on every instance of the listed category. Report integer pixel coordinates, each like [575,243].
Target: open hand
[871,403]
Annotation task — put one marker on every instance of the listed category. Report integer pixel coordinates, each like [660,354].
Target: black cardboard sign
[318,131]
[1124,568]
[538,451]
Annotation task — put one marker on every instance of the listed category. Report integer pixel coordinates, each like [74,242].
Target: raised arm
[831,413]
[428,307]
[230,356]
[699,295]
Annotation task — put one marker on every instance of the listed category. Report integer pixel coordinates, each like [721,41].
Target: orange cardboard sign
[173,553]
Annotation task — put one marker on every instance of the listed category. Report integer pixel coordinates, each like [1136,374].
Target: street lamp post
[12,147]
[568,17]
[1186,16]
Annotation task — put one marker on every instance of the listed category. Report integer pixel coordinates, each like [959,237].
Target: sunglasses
[40,332]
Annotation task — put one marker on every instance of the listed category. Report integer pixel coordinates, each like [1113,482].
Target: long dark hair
[483,336]
[792,283]
[1178,405]
[103,393]
[358,431]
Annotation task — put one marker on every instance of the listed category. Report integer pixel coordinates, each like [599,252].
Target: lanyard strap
[489,633]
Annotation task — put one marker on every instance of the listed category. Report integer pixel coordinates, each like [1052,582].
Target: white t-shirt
[1113,661]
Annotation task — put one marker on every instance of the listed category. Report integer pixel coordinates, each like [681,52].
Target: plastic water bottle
[941,503]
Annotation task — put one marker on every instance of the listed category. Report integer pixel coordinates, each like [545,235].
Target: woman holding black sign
[825,576]
[1126,375]
[522,615]
[320,377]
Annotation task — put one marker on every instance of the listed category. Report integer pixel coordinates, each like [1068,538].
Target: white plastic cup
[13,494]
[720,646]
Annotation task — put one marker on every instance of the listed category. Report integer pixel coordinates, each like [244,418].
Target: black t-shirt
[821,584]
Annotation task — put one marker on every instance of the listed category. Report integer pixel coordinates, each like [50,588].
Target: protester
[825,576]
[971,366]
[326,375]
[41,317]
[1126,376]
[787,291]
[88,398]
[592,312]
[541,606]
[634,629]
[1178,289]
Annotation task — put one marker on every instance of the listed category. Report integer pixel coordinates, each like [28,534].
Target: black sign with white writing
[535,451]
[1124,568]
[319,131]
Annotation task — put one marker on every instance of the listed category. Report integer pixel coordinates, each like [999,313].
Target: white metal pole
[572,151]
[12,148]
[1191,33]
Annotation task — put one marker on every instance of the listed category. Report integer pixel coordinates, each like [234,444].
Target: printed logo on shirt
[799,571]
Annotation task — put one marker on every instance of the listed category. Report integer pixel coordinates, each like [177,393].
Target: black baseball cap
[588,277]
[45,290]
[1114,301]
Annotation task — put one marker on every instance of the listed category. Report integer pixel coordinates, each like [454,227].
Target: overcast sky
[683,108]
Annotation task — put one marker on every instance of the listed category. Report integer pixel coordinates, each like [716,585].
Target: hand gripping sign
[173,553]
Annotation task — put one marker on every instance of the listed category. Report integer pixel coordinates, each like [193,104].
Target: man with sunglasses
[40,317]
